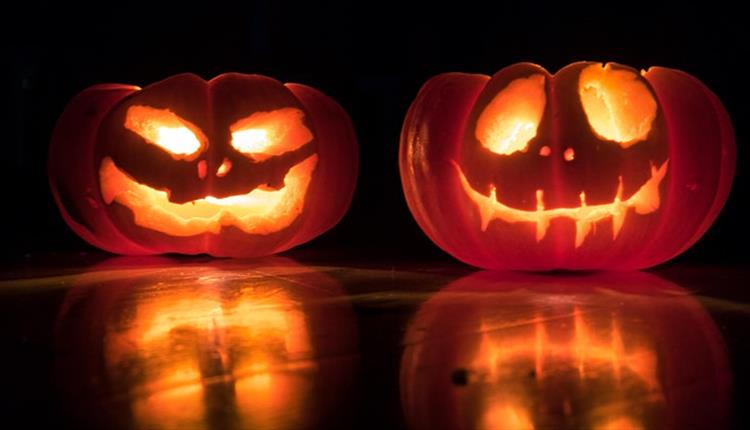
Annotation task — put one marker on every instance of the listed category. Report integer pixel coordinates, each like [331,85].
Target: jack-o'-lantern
[596,166]
[205,346]
[241,165]
[616,350]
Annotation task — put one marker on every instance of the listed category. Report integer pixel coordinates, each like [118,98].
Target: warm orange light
[504,416]
[267,134]
[569,154]
[183,344]
[574,343]
[588,347]
[619,106]
[260,211]
[619,423]
[163,337]
[163,128]
[225,167]
[511,119]
[176,395]
[643,201]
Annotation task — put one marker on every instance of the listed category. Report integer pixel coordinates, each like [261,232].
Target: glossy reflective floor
[158,343]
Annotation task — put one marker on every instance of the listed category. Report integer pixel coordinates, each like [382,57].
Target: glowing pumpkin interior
[618,107]
[258,137]
[511,119]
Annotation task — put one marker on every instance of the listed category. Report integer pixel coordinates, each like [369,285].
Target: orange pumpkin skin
[122,184]
[601,350]
[621,187]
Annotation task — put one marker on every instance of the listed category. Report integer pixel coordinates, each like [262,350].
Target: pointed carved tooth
[663,169]
[542,222]
[647,198]
[486,212]
[582,230]
[619,210]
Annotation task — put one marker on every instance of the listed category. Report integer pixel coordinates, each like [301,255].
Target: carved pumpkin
[174,346]
[596,166]
[241,165]
[618,350]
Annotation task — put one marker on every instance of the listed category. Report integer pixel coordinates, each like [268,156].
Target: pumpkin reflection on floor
[208,346]
[601,351]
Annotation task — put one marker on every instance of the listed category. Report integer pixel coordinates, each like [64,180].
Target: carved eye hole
[618,105]
[511,119]
[163,128]
[267,134]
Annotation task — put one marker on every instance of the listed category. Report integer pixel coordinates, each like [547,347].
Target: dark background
[372,58]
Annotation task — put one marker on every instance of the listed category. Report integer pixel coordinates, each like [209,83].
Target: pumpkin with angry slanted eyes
[596,166]
[241,165]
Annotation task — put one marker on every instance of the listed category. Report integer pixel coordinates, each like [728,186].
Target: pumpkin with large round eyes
[596,166]
[241,165]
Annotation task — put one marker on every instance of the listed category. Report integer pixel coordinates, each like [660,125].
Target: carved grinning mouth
[644,201]
[257,212]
